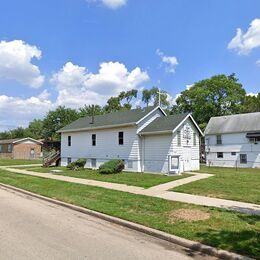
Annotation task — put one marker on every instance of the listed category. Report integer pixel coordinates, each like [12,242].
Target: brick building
[21,148]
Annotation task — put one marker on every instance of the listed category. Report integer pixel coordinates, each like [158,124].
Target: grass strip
[231,231]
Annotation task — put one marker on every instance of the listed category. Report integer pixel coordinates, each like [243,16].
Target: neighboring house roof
[167,124]
[17,140]
[249,122]
[8,141]
[114,119]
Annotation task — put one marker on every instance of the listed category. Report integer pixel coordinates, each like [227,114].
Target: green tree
[163,97]
[216,96]
[5,135]
[18,132]
[152,96]
[128,95]
[117,103]
[57,119]
[88,110]
[252,104]
[35,129]
[113,105]
[146,96]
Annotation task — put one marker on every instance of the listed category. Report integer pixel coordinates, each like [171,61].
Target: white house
[233,141]
[146,139]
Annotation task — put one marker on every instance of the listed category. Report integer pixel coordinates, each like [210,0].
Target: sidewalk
[159,191]
[172,184]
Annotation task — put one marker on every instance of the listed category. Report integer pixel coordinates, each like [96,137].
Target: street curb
[193,245]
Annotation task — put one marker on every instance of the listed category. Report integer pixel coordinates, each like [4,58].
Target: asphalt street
[34,229]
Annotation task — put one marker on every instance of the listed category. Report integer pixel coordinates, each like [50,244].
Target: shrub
[113,166]
[77,165]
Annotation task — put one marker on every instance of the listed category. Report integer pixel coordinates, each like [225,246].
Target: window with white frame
[254,139]
[243,158]
[94,140]
[69,140]
[218,139]
[120,138]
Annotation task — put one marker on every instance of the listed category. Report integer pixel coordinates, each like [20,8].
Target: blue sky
[51,51]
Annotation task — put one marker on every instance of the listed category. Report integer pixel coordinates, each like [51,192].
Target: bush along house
[20,148]
[147,140]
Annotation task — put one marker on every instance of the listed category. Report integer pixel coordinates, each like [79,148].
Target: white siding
[149,153]
[156,151]
[194,149]
[106,148]
[149,119]
[236,142]
[158,148]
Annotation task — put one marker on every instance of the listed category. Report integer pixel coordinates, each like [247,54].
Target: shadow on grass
[242,242]
[250,219]
[246,210]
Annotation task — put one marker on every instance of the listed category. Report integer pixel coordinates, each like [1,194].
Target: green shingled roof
[115,118]
[167,123]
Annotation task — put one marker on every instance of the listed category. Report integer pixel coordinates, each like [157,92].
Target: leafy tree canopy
[89,110]
[252,104]
[151,96]
[216,96]
[57,119]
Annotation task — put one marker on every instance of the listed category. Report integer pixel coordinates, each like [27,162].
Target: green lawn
[224,229]
[228,183]
[145,180]
[7,162]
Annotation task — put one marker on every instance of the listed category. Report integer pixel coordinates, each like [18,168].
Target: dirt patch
[188,215]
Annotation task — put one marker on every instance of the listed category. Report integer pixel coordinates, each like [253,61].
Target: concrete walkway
[159,191]
[107,185]
[172,184]
[243,207]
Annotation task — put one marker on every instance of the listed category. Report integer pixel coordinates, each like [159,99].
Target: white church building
[233,141]
[147,140]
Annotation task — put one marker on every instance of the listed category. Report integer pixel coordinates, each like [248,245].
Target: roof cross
[159,96]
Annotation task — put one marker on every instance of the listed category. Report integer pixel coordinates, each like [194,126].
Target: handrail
[51,157]
[50,154]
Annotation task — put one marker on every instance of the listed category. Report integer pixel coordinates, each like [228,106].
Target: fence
[233,163]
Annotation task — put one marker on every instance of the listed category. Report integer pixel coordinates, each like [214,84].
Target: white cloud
[16,63]
[171,100]
[257,63]
[18,111]
[189,86]
[244,43]
[170,61]
[112,4]
[77,86]
[252,94]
